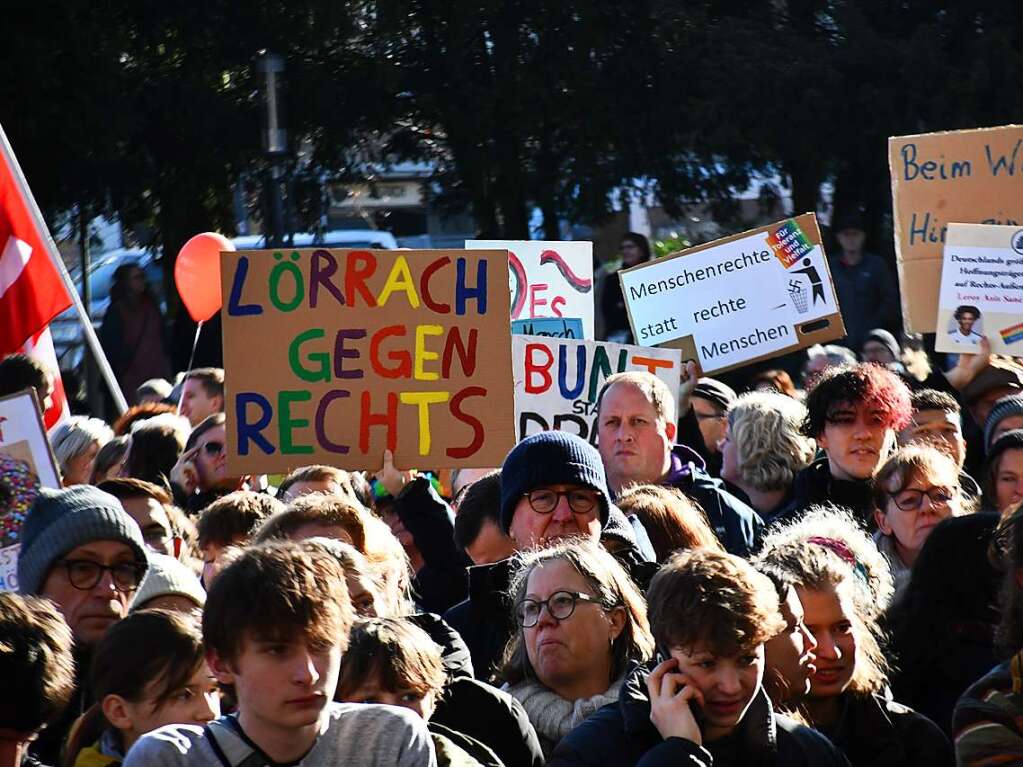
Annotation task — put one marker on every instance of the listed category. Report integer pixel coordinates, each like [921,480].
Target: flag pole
[69,284]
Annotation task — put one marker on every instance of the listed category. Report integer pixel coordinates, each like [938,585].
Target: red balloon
[197,274]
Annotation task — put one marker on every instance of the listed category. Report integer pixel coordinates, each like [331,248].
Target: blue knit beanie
[62,520]
[551,458]
[1007,406]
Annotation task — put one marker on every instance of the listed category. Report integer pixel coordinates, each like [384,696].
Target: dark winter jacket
[873,731]
[738,527]
[814,485]
[988,720]
[867,296]
[454,652]
[440,582]
[477,710]
[933,688]
[491,716]
[622,735]
[484,619]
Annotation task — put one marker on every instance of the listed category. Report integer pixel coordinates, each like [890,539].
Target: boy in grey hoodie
[275,626]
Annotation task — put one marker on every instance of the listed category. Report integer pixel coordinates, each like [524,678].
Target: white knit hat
[168,576]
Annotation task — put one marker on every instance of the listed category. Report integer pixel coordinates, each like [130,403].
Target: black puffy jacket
[621,734]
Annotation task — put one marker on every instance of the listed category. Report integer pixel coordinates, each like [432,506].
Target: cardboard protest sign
[548,279]
[981,289]
[9,568]
[967,176]
[331,356]
[737,300]
[552,327]
[23,437]
[557,380]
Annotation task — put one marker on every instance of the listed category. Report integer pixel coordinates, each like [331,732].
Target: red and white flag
[31,289]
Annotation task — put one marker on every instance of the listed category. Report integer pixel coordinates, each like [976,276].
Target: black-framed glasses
[213,448]
[912,499]
[84,574]
[560,605]
[580,501]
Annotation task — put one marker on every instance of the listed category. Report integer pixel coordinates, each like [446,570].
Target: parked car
[335,238]
[68,339]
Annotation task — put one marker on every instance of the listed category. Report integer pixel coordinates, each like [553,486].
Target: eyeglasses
[912,499]
[560,605]
[213,448]
[579,501]
[84,574]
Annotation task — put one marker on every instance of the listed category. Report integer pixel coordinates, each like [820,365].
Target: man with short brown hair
[275,626]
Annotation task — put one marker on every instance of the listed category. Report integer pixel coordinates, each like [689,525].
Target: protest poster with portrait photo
[981,289]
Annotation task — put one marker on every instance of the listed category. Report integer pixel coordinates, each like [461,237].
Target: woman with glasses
[581,622]
[914,490]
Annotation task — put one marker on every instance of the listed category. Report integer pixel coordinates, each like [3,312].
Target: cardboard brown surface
[417,353]
[975,177]
[821,330]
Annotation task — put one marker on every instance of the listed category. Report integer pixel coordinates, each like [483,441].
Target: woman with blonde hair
[763,449]
[582,623]
[844,584]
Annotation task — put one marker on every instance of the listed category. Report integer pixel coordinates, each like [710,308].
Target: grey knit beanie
[1006,407]
[62,520]
[167,576]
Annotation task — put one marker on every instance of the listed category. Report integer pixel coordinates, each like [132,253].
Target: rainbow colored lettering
[1012,334]
[789,243]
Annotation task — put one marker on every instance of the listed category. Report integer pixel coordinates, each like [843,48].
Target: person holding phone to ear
[704,703]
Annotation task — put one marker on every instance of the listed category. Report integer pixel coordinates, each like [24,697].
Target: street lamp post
[275,137]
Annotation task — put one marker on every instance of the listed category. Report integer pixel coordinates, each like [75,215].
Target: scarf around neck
[553,716]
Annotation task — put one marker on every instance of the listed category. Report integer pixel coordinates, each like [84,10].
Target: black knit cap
[1010,440]
[551,458]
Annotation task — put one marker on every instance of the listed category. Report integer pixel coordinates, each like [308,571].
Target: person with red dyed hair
[854,412]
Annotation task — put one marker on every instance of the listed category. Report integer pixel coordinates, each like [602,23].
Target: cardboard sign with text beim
[970,177]
[737,300]
[548,279]
[981,289]
[557,380]
[23,437]
[331,356]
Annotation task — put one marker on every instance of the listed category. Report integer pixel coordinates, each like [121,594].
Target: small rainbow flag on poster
[1012,334]
[789,243]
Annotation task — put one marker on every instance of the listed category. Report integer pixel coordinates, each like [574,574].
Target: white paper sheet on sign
[548,279]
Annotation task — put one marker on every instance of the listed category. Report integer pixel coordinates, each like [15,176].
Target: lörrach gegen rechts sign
[743,298]
[331,356]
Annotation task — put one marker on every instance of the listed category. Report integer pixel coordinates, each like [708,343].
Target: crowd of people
[820,569]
